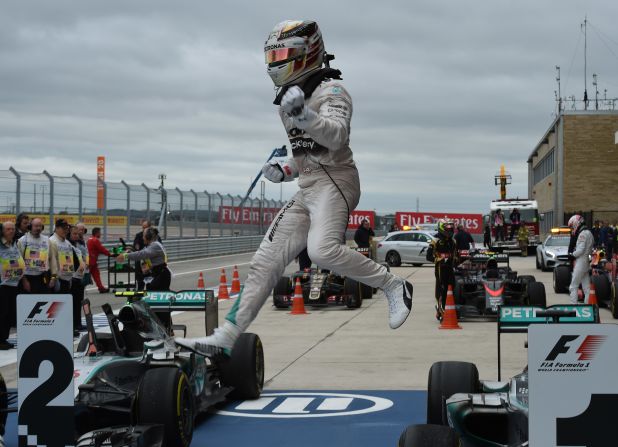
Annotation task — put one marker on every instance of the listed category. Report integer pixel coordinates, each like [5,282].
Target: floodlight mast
[502,179]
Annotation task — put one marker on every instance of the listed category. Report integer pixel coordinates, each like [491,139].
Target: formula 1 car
[482,286]
[465,411]
[321,288]
[134,373]
[8,404]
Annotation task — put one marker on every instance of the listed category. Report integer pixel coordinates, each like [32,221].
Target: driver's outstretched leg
[285,238]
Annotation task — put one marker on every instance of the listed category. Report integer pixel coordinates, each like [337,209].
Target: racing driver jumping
[316,111]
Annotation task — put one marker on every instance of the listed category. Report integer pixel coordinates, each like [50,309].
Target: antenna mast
[585,27]
[559,93]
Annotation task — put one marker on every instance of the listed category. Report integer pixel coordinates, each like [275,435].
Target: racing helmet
[575,222]
[293,50]
[446,228]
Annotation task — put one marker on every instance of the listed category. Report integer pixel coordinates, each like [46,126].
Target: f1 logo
[587,350]
[51,312]
[562,347]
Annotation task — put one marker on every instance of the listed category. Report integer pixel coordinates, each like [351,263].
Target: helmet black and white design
[575,222]
[293,50]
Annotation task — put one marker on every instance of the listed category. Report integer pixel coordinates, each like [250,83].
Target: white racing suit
[317,216]
[581,268]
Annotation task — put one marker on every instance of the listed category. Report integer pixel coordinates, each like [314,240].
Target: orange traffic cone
[298,303]
[592,296]
[235,282]
[223,293]
[200,282]
[449,319]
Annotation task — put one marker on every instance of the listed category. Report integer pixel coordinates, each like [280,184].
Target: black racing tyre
[602,287]
[429,436]
[539,261]
[4,403]
[283,287]
[353,293]
[244,369]
[613,304]
[446,379]
[366,291]
[562,279]
[536,294]
[393,259]
[164,397]
[527,278]
[458,293]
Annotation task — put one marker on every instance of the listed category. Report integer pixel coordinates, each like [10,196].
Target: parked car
[554,249]
[405,247]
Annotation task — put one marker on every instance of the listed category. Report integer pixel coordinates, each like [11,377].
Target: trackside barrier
[180,249]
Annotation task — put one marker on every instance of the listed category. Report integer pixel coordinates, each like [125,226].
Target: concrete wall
[591,164]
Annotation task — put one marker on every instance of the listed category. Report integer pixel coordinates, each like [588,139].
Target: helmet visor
[282,55]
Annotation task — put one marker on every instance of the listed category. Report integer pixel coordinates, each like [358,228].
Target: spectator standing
[12,269]
[463,239]
[499,225]
[611,237]
[96,249]
[595,230]
[61,253]
[515,219]
[394,227]
[603,228]
[80,255]
[34,248]
[21,225]
[364,235]
[487,236]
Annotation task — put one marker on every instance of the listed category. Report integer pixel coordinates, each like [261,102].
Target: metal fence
[183,214]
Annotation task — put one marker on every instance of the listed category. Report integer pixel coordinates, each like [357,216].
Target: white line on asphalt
[335,404]
[255,405]
[213,268]
[294,405]
[194,271]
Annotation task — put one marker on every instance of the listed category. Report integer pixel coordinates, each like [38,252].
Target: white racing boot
[399,295]
[222,340]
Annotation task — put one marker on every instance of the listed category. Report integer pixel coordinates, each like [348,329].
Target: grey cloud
[444,92]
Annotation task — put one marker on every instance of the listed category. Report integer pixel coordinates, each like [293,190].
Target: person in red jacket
[95,249]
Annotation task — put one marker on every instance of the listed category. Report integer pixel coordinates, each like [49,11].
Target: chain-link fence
[119,208]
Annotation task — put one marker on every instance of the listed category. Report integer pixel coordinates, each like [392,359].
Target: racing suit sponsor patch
[271,235]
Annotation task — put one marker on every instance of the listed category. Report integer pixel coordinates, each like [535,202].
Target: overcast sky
[443,91]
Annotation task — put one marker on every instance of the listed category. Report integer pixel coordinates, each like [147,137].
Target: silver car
[405,247]
[553,251]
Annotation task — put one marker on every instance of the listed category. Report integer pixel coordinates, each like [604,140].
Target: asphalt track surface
[335,348]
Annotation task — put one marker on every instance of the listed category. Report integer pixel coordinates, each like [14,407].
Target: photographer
[61,263]
[34,248]
[12,267]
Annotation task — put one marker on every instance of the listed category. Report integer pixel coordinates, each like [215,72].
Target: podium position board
[45,371]
[573,371]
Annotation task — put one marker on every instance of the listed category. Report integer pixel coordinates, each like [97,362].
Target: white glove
[272,171]
[279,171]
[293,103]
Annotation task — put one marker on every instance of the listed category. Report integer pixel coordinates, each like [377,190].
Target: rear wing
[517,319]
[181,301]
[483,257]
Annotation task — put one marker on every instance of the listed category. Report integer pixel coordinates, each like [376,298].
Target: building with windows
[574,168]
